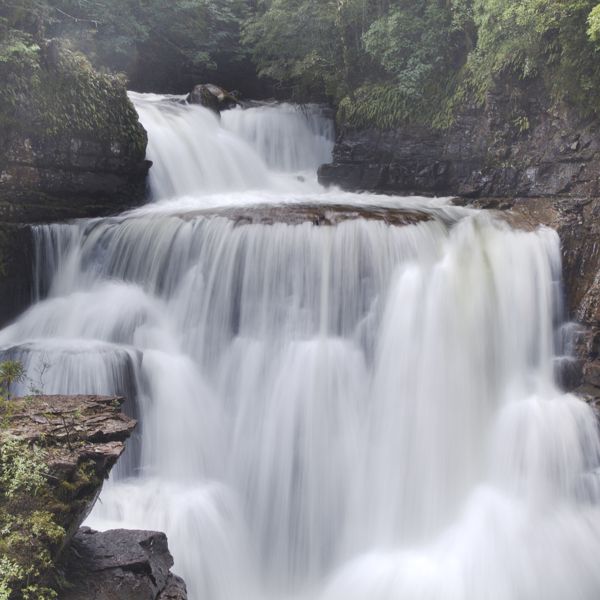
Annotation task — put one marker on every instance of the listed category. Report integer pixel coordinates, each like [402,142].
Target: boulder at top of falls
[212,97]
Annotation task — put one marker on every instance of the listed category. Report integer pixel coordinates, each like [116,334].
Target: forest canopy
[382,62]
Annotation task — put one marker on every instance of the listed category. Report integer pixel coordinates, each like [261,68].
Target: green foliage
[11,372]
[296,42]
[28,531]
[416,43]
[397,61]
[594,24]
[10,572]
[51,90]
[192,34]
[535,38]
[384,62]
[22,469]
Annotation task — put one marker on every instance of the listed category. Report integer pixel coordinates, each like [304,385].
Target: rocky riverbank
[55,453]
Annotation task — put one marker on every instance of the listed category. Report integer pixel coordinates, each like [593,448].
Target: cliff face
[68,176]
[71,143]
[55,453]
[519,144]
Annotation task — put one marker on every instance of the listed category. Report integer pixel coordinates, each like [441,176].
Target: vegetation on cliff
[54,454]
[71,143]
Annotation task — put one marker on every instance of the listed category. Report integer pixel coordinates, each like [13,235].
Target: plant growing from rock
[11,372]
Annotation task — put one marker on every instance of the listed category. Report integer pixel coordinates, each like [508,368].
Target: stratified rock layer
[317,214]
[45,179]
[546,151]
[81,438]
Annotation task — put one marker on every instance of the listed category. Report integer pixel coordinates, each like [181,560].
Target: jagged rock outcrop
[55,452]
[525,147]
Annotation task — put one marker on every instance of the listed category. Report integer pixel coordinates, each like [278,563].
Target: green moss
[386,106]
[38,511]
[52,91]
[31,533]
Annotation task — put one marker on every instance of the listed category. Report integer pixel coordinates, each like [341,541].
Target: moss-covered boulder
[71,143]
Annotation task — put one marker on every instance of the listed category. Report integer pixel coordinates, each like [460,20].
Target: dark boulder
[120,564]
[213,97]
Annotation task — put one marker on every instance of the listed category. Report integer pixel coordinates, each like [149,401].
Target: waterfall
[288,137]
[195,152]
[341,396]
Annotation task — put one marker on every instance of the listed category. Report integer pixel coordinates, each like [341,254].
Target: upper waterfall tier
[194,152]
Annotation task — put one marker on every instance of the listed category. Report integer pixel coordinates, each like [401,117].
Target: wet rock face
[531,150]
[71,145]
[79,439]
[55,452]
[317,214]
[61,177]
[16,270]
[121,564]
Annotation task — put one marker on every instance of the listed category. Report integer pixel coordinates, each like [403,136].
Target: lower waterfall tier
[360,405]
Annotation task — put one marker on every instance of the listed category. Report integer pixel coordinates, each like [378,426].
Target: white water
[358,412]
[195,152]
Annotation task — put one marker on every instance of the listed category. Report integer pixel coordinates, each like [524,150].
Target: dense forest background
[381,62]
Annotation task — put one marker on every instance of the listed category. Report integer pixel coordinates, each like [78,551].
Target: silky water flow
[351,411]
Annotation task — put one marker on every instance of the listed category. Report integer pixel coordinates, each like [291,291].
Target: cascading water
[338,406]
[194,151]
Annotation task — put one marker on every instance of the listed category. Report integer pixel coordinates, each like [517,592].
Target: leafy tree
[191,31]
[594,24]
[296,42]
[536,38]
[138,37]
